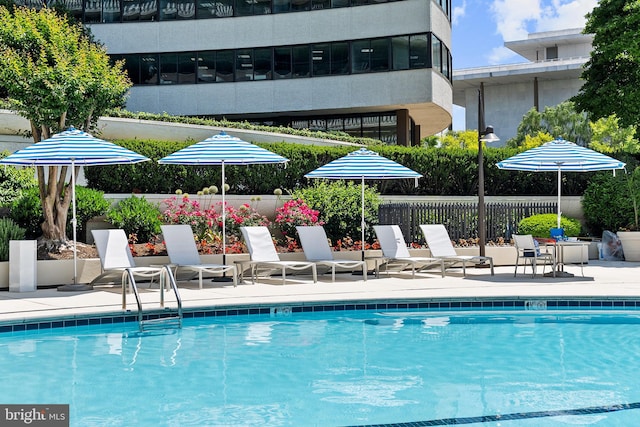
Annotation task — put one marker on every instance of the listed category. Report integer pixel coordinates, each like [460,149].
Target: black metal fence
[460,218]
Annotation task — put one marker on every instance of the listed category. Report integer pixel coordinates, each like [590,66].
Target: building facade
[373,68]
[550,77]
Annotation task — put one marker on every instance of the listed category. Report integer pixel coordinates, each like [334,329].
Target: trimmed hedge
[445,172]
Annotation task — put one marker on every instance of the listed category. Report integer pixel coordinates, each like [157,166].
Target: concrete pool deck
[603,280]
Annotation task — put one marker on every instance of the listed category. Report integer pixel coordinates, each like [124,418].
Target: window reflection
[108,11]
[301,66]
[207,67]
[360,55]
[224,66]
[187,68]
[317,60]
[282,62]
[168,69]
[436,54]
[419,51]
[380,55]
[148,70]
[321,59]
[92,11]
[111,11]
[244,65]
[339,58]
[186,10]
[168,10]
[400,52]
[262,64]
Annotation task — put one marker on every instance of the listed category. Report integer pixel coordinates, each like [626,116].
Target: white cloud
[515,19]
[565,14]
[459,12]
[512,17]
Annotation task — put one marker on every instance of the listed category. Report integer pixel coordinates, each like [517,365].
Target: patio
[603,281]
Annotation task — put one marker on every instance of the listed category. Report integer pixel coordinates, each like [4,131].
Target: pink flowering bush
[207,223]
[182,210]
[295,212]
[244,216]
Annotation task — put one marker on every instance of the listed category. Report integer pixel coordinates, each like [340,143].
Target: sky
[480,28]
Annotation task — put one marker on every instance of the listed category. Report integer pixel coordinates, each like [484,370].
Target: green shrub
[539,225]
[13,181]
[340,207]
[606,203]
[26,211]
[137,217]
[89,204]
[9,230]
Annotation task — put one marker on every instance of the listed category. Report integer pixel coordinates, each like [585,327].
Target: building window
[224,66]
[321,59]
[360,56]
[282,63]
[380,54]
[148,70]
[552,52]
[436,54]
[400,52]
[339,58]
[301,66]
[419,51]
[267,63]
[207,67]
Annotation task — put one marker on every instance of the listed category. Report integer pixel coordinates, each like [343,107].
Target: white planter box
[22,266]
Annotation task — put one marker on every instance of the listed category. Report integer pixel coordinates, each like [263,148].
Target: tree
[56,77]
[561,120]
[608,137]
[612,74]
[460,139]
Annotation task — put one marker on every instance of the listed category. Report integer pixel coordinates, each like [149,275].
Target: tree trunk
[56,198]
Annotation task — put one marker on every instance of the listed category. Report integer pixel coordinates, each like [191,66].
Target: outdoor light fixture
[485,134]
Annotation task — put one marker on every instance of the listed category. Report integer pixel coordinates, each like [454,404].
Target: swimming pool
[340,368]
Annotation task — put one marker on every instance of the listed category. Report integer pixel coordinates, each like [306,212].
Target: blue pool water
[337,369]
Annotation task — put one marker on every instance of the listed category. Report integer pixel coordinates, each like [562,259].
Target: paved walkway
[603,280]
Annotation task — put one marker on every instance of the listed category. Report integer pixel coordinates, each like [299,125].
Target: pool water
[337,369]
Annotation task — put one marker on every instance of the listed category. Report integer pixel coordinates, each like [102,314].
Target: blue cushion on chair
[530,253]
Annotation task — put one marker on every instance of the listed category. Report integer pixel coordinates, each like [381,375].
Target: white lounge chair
[530,253]
[264,255]
[441,247]
[183,253]
[116,259]
[394,249]
[316,248]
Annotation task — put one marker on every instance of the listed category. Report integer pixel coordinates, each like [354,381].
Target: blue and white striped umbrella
[558,156]
[222,149]
[363,164]
[73,147]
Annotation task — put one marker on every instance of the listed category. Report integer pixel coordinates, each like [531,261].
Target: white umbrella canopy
[222,149]
[361,165]
[558,156]
[73,147]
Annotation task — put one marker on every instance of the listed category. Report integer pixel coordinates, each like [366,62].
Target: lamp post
[484,135]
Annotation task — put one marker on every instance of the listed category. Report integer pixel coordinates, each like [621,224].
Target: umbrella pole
[362,225]
[559,187]
[75,286]
[224,277]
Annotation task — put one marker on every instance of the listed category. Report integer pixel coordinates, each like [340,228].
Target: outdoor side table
[559,248]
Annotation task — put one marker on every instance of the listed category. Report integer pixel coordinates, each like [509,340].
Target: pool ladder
[163,319]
